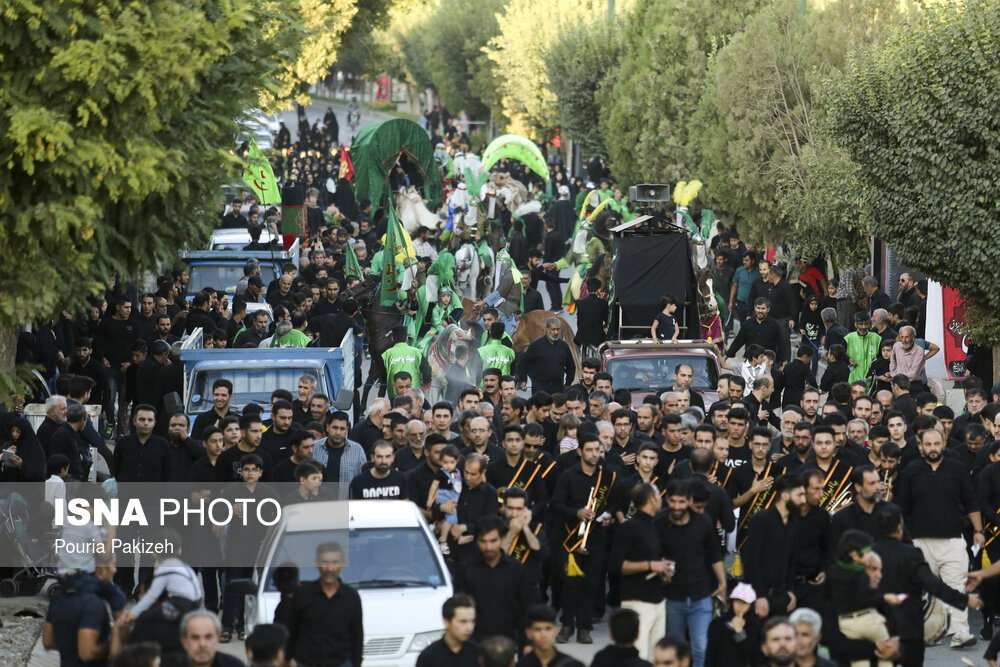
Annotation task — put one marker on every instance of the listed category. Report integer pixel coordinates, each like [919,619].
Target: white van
[393,560]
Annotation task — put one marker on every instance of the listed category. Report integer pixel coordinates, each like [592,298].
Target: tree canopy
[119,118]
[919,117]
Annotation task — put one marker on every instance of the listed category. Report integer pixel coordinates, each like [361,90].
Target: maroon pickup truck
[644,367]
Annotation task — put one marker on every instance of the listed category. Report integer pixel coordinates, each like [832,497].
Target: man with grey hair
[882,325]
[597,404]
[548,361]
[877,299]
[369,429]
[411,456]
[200,632]
[908,358]
[55,415]
[251,268]
[808,632]
[835,332]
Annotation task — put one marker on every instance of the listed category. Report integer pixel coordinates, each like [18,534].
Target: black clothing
[769,554]
[418,487]
[769,334]
[813,552]
[68,614]
[278,445]
[783,300]
[406,460]
[619,656]
[838,371]
[532,300]
[439,655]
[198,318]
[727,648]
[693,547]
[549,364]
[45,431]
[904,403]
[636,540]
[934,502]
[474,505]
[852,517]
[332,327]
[365,433]
[135,461]
[147,390]
[114,341]
[592,317]
[502,593]
[366,487]
[491,452]
[904,570]
[210,418]
[284,471]
[326,630]
[668,459]
[849,589]
[183,457]
[501,475]
[227,466]
[797,377]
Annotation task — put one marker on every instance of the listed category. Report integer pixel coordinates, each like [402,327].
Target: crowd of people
[792,513]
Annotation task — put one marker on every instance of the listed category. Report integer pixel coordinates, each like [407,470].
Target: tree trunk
[996,366]
[8,349]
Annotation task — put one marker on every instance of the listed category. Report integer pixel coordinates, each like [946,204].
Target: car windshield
[250,385]
[377,557]
[644,373]
[222,276]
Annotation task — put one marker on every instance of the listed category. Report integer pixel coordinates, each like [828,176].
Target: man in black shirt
[762,330]
[499,584]
[455,648]
[582,499]
[934,494]
[325,621]
[228,464]
[548,361]
[592,317]
[514,470]
[801,448]
[420,481]
[813,552]
[477,501]
[904,570]
[673,451]
[381,481]
[554,250]
[860,514]
[750,485]
[184,451]
[222,393]
[301,447]
[636,554]
[769,555]
[276,439]
[689,541]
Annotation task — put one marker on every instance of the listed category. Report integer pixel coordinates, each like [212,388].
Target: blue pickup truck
[256,372]
[222,268]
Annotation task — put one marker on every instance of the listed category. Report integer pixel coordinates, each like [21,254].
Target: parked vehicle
[392,560]
[256,372]
[222,269]
[646,367]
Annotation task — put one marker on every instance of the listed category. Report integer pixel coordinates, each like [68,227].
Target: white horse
[412,211]
[468,266]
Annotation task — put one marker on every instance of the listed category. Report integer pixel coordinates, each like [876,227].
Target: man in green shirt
[862,347]
[403,357]
[297,337]
[495,354]
[491,315]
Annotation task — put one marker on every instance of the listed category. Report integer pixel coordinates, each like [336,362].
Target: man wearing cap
[403,357]
[255,290]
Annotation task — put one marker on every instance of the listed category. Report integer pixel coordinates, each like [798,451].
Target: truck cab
[222,269]
[256,372]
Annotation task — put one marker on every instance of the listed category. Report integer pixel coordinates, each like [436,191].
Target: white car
[393,561]
[237,239]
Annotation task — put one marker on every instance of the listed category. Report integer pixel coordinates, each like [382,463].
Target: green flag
[259,175]
[353,267]
[397,254]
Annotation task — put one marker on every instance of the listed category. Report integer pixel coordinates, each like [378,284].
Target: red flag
[346,166]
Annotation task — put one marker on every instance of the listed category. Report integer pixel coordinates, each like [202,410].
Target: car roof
[363,514]
[648,348]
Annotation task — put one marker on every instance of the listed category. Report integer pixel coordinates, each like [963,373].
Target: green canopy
[379,146]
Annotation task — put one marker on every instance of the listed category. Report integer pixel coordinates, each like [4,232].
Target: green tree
[648,103]
[919,117]
[575,75]
[528,31]
[118,118]
[760,112]
[457,34]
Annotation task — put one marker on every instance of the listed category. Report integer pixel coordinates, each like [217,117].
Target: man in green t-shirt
[495,354]
[403,357]
[862,347]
